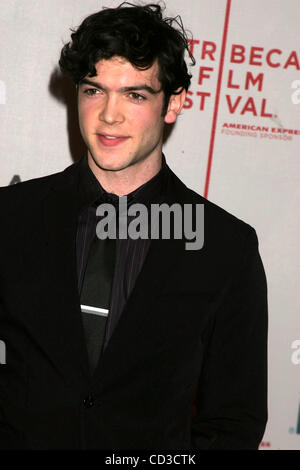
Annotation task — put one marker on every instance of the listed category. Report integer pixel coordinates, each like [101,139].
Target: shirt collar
[91,191]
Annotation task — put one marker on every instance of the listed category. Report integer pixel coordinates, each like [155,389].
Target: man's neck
[125,181]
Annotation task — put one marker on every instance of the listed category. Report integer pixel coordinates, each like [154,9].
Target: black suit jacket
[185,367]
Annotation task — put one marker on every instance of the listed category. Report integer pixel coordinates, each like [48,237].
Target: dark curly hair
[139,34]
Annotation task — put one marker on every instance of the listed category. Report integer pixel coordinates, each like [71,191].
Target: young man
[126,342]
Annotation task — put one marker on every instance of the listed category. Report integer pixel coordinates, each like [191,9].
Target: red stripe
[216,108]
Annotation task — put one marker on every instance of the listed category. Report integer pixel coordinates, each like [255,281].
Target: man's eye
[90,91]
[137,97]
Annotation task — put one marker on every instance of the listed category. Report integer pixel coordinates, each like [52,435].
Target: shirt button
[88,402]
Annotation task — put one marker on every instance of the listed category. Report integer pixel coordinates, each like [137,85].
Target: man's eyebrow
[124,89]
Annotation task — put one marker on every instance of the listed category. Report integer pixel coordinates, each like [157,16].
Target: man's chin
[104,165]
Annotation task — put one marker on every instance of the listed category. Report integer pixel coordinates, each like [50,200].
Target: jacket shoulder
[31,192]
[217,219]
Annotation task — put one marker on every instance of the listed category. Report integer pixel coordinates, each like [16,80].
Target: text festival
[239,54]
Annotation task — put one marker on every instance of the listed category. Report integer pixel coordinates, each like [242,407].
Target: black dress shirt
[130,254]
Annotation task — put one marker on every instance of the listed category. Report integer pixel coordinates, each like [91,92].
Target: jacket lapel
[62,332]
[161,259]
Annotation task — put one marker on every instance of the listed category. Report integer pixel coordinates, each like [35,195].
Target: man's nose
[111,112]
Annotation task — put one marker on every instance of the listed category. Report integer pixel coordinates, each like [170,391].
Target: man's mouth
[111,140]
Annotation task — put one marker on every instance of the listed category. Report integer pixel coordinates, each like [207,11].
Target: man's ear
[176,103]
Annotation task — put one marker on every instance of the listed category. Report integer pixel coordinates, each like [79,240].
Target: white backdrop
[236,142]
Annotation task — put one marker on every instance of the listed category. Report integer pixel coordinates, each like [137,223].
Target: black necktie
[96,294]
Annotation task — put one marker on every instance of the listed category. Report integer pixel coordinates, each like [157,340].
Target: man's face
[120,115]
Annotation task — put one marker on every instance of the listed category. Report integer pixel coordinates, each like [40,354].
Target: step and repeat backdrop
[237,141]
